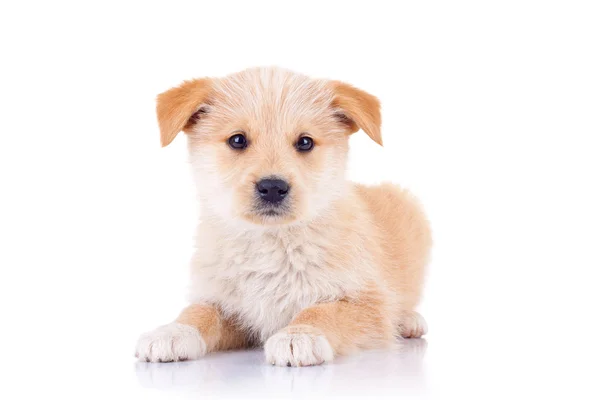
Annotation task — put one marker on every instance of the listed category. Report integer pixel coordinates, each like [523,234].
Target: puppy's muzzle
[272,191]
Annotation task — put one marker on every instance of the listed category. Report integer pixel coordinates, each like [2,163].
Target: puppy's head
[267,145]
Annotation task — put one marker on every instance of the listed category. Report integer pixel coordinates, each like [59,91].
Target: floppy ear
[179,108]
[357,110]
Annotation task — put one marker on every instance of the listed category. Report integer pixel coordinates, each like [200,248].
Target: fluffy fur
[339,268]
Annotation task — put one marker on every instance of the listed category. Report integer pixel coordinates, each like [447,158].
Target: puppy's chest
[264,281]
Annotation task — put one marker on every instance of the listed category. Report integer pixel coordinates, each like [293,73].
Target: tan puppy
[290,254]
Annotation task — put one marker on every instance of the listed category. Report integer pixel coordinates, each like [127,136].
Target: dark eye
[238,142]
[305,144]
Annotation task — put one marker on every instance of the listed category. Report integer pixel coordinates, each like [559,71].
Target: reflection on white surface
[245,374]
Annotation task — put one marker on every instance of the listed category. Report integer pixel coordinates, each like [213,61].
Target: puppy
[290,255]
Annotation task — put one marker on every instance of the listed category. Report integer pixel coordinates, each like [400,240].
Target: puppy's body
[334,267]
[373,239]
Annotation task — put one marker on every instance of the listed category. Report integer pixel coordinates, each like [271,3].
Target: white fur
[171,342]
[297,349]
[262,279]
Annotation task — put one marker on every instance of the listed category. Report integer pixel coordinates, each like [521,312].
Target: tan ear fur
[175,107]
[360,109]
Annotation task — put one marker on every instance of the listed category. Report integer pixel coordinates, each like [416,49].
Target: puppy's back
[405,238]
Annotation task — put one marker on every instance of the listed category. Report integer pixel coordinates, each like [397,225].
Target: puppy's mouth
[271,210]
[270,213]
[266,213]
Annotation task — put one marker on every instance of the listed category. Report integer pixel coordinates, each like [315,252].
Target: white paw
[412,325]
[172,342]
[298,349]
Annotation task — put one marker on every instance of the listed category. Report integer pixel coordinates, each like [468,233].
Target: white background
[491,116]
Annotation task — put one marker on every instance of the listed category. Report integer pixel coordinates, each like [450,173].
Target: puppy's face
[267,146]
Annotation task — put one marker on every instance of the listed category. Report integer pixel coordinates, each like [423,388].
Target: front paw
[172,342]
[298,346]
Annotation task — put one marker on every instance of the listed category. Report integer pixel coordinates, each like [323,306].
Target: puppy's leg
[198,330]
[412,325]
[320,332]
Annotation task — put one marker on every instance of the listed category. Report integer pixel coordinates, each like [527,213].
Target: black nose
[272,190]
